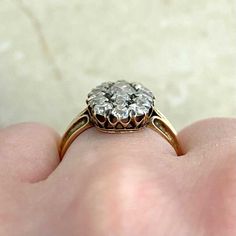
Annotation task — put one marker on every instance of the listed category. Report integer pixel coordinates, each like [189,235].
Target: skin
[119,185]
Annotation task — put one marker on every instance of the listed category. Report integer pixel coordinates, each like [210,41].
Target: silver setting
[117,106]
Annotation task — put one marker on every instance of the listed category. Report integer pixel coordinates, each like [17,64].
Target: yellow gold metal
[77,126]
[160,124]
[156,121]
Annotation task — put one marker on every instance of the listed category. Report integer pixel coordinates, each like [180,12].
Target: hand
[119,185]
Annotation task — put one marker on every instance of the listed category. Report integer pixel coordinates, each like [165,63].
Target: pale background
[52,52]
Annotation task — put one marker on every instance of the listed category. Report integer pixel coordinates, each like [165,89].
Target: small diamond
[99,110]
[137,86]
[142,102]
[142,90]
[94,96]
[120,102]
[99,100]
[95,92]
[137,110]
[122,87]
[120,112]
[120,95]
[144,96]
[102,110]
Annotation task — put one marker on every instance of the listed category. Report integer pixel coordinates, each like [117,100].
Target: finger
[209,146]
[122,174]
[28,152]
[101,157]
[96,146]
[100,171]
[94,141]
[209,172]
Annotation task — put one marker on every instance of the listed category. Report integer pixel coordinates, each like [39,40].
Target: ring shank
[157,122]
[161,125]
[77,126]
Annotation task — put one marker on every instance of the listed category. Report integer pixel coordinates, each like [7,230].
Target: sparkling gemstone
[94,96]
[146,92]
[120,95]
[102,110]
[120,99]
[142,102]
[142,90]
[136,110]
[144,96]
[120,102]
[120,112]
[122,86]
[98,100]
[137,86]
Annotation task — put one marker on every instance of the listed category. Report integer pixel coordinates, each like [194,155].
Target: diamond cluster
[121,100]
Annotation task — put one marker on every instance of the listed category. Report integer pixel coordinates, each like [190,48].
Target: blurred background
[52,52]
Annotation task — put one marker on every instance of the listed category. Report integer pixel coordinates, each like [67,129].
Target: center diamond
[120,104]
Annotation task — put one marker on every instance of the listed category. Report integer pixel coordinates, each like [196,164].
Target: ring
[120,107]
